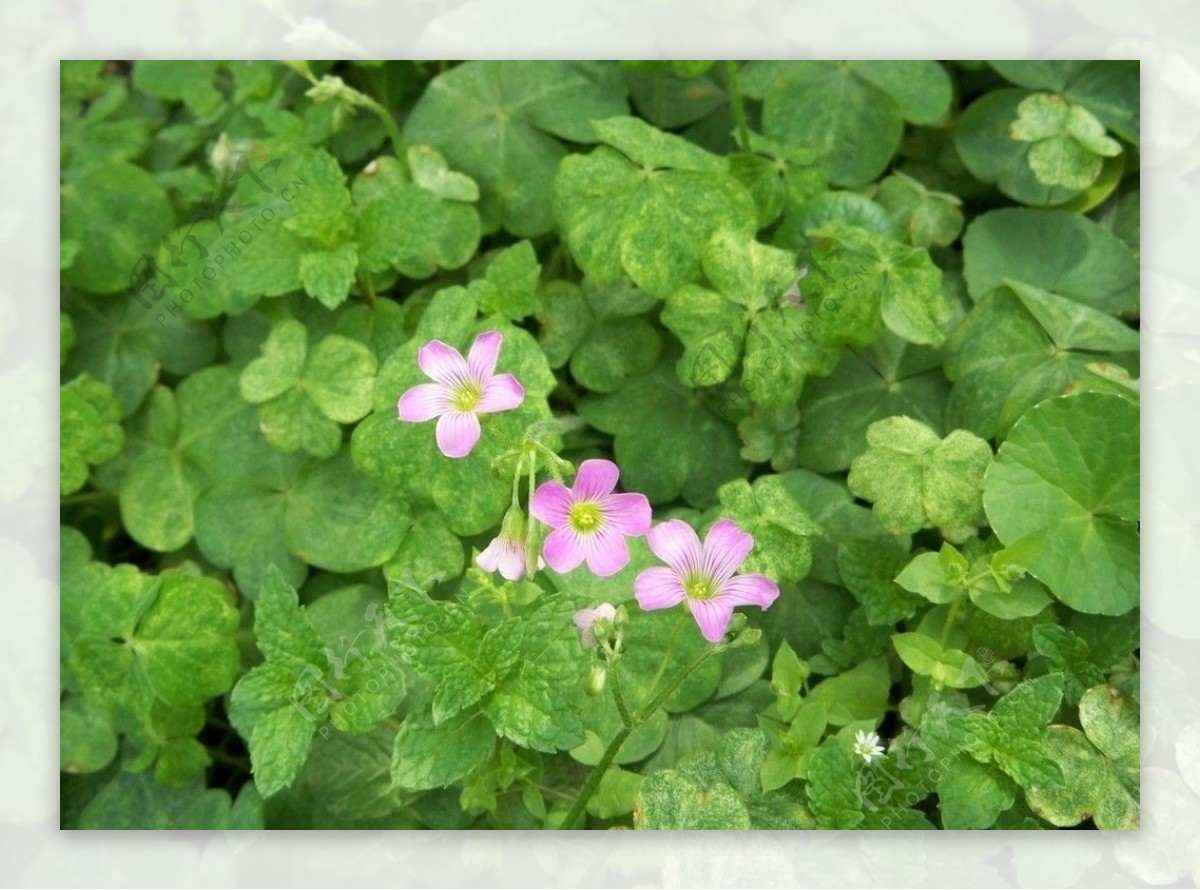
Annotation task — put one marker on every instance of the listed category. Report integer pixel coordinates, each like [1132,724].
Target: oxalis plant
[660,445]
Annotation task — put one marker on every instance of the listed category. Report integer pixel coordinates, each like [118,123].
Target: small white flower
[866,745]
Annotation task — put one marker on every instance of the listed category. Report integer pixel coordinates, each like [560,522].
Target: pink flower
[506,555]
[704,576]
[589,521]
[506,552]
[586,619]
[462,390]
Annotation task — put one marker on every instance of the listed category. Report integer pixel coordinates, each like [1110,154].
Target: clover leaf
[1100,765]
[853,113]
[415,224]
[501,122]
[89,430]
[717,790]
[917,480]
[667,441]
[644,204]
[862,281]
[144,639]
[303,397]
[782,530]
[890,378]
[606,341]
[1069,144]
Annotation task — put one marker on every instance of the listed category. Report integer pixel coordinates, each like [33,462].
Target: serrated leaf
[428,755]
[328,274]
[448,645]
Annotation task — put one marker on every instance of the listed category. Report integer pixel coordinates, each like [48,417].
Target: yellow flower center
[696,587]
[466,396]
[585,516]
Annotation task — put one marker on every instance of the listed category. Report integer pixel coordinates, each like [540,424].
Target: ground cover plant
[658,445]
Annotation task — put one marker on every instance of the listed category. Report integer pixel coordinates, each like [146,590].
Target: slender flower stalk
[704,576]
[463,388]
[590,521]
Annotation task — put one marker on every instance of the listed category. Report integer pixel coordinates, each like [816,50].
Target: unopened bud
[596,679]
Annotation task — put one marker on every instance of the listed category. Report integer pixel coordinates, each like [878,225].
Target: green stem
[366,290]
[951,617]
[597,773]
[618,697]
[739,107]
[646,712]
[389,125]
[680,623]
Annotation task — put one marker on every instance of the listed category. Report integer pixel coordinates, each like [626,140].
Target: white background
[1164,34]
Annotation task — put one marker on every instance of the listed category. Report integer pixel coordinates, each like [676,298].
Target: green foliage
[917,480]
[1100,765]
[717,790]
[1075,463]
[89,430]
[884,316]
[501,124]
[644,204]
[303,398]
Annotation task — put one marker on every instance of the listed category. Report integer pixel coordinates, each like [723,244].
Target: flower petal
[725,549]
[712,616]
[749,590]
[501,393]
[481,358]
[595,479]
[442,362]
[551,503]
[489,558]
[512,562]
[657,588]
[607,553]
[457,433]
[676,544]
[563,550]
[583,618]
[423,402]
[628,514]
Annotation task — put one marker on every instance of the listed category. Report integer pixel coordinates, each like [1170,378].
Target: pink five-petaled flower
[462,389]
[705,576]
[590,521]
